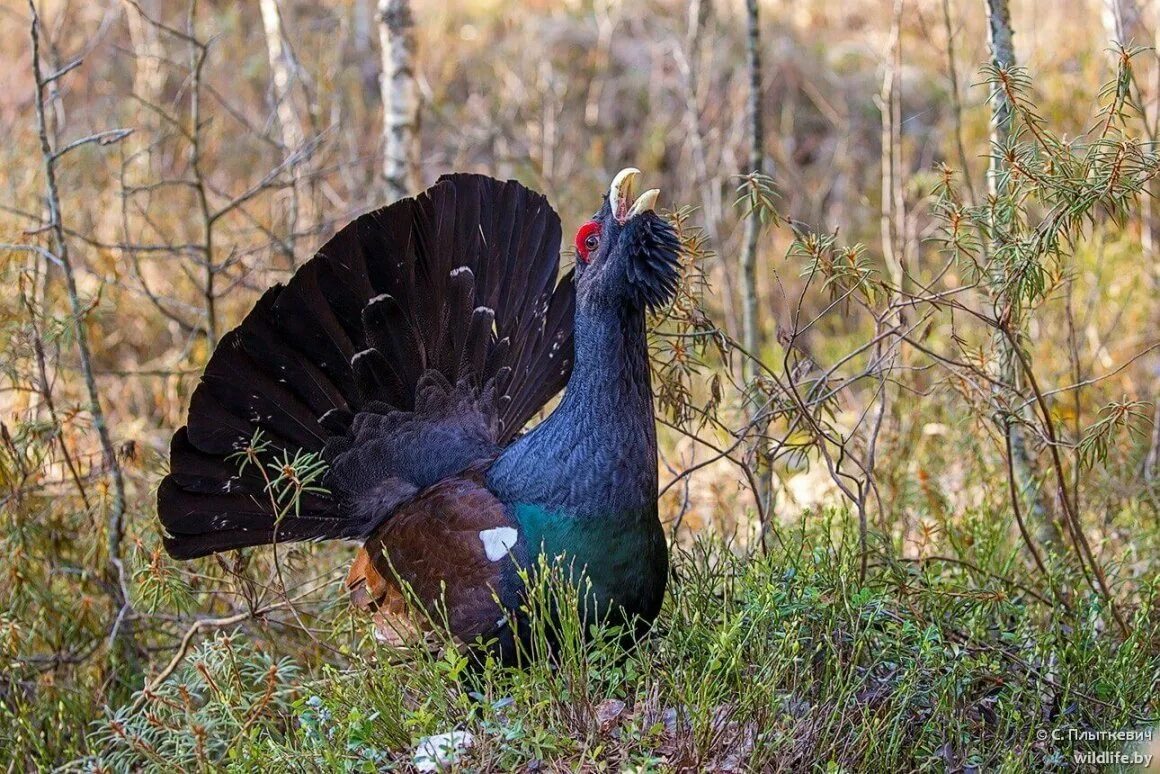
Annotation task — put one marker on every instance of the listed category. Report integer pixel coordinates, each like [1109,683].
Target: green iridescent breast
[624,556]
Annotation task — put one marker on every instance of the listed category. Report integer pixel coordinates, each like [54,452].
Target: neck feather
[596,453]
[611,375]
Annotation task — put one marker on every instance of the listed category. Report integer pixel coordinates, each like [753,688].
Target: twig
[116,516]
[1083,546]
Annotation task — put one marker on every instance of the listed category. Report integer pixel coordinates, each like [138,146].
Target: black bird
[407,356]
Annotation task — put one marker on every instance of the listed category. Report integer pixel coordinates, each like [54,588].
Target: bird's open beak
[620,196]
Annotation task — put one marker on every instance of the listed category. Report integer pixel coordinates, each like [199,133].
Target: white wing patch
[498,541]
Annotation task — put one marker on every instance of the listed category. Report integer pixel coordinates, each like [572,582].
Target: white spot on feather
[498,541]
[378,298]
[459,270]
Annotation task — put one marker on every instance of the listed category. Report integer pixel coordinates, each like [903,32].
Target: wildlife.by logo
[1138,738]
[1112,758]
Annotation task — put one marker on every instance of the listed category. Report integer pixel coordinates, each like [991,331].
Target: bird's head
[627,256]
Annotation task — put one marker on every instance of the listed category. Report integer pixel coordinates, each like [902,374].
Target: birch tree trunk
[690,63]
[282,71]
[148,82]
[750,336]
[1000,38]
[892,210]
[750,321]
[1124,22]
[148,54]
[360,22]
[892,228]
[400,98]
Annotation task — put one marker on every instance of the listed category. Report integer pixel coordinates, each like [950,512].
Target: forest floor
[783,661]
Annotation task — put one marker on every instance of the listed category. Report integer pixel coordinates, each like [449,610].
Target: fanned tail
[460,280]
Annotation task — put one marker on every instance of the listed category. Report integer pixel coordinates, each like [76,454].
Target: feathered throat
[654,271]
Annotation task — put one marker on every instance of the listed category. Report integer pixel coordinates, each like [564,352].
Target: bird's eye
[587,240]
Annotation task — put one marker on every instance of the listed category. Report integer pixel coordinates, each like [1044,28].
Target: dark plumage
[409,353]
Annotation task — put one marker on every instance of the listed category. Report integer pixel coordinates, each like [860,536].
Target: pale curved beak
[620,195]
[644,203]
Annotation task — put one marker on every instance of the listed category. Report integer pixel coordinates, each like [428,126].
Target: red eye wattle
[587,240]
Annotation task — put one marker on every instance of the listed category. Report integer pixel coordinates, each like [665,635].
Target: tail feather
[224,522]
[537,361]
[459,281]
[196,471]
[255,396]
[456,322]
[378,379]
[207,509]
[390,331]
[307,323]
[473,353]
[267,347]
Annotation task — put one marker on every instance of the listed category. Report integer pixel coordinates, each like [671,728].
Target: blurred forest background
[908,392]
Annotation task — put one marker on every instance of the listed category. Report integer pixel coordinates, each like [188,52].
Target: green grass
[781,662]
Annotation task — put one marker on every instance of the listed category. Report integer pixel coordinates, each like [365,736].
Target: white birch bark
[282,68]
[148,78]
[282,72]
[1000,38]
[400,98]
[1124,22]
[148,82]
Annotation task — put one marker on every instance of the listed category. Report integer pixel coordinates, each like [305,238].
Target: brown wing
[455,547]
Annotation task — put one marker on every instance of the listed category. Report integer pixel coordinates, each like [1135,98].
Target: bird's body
[583,483]
[407,356]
